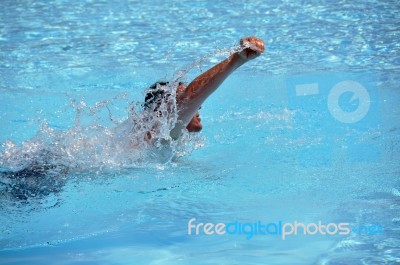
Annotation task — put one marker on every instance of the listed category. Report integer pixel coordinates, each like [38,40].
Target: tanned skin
[190,98]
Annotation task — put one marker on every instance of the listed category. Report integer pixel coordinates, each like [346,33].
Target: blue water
[70,72]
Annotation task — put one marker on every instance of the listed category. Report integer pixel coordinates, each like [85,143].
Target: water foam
[91,145]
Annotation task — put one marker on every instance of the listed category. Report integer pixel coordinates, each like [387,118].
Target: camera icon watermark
[359,93]
[339,109]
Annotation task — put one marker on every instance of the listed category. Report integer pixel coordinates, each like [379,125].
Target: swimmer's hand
[253,47]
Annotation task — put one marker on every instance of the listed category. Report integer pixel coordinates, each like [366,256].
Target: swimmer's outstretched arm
[189,100]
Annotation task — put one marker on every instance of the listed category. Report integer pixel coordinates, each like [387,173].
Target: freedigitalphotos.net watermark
[281,229]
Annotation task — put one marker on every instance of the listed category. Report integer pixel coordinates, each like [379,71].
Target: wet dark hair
[155,95]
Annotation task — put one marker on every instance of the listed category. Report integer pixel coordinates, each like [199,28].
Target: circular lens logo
[359,93]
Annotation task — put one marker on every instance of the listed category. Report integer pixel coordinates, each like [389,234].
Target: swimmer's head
[157,93]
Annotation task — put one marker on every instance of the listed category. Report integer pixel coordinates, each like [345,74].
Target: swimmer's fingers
[253,43]
[253,47]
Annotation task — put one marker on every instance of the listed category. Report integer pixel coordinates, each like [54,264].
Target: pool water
[307,133]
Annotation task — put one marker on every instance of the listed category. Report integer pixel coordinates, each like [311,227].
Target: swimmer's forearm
[202,87]
[205,84]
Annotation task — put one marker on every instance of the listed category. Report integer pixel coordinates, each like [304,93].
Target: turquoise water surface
[306,134]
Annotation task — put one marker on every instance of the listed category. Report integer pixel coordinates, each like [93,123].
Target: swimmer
[34,179]
[190,98]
